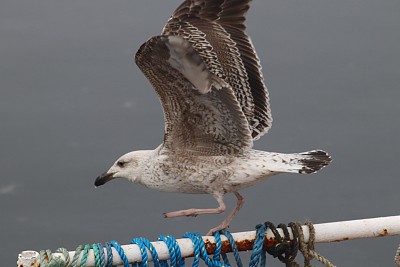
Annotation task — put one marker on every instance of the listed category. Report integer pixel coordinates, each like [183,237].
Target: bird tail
[305,162]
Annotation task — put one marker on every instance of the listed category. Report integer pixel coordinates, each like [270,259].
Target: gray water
[72,101]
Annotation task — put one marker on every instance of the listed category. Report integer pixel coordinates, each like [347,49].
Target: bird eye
[121,163]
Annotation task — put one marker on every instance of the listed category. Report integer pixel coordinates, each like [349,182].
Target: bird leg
[220,209]
[195,212]
[226,222]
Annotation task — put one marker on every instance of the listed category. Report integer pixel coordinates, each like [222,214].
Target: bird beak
[104,178]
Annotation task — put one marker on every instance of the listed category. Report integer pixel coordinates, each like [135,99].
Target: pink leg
[220,209]
[226,222]
[195,212]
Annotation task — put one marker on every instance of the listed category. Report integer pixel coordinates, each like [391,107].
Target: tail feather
[305,162]
[314,161]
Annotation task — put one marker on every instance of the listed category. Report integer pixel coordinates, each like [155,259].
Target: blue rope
[120,251]
[96,253]
[258,251]
[218,246]
[200,251]
[109,255]
[143,252]
[102,257]
[234,248]
[145,244]
[175,255]
[258,257]
[196,249]
[85,255]
[99,257]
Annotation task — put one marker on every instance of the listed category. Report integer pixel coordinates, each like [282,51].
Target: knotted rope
[308,249]
[47,259]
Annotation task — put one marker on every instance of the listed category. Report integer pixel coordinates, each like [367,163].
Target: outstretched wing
[202,115]
[216,30]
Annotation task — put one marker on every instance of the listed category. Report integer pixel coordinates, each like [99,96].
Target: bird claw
[217,229]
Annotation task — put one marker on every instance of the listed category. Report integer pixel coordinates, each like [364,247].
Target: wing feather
[221,24]
[202,115]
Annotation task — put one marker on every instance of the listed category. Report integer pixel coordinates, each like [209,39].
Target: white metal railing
[324,232]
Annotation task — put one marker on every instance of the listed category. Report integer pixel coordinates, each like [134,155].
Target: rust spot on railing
[342,239]
[385,232]
[242,245]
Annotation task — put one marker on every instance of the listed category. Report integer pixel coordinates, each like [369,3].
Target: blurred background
[72,101]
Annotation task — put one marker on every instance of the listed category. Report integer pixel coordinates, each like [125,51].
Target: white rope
[397,257]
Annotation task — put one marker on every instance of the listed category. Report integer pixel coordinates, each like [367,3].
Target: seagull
[208,77]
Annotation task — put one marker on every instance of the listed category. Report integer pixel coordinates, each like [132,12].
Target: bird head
[129,166]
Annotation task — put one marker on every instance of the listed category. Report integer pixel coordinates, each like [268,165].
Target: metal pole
[28,258]
[325,232]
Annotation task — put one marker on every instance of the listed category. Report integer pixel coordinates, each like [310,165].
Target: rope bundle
[283,248]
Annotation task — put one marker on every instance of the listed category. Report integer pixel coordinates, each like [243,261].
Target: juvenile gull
[208,77]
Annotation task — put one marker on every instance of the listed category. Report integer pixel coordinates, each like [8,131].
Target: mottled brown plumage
[208,77]
[220,25]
